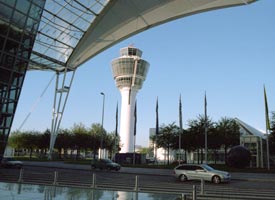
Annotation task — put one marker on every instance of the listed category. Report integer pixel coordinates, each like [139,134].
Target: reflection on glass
[18,191]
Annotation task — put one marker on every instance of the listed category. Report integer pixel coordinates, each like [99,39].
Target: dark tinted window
[181,167]
[199,168]
[187,167]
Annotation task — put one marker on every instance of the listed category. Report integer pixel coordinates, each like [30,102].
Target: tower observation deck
[129,72]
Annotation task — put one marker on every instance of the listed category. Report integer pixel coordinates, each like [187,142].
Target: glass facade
[19,21]
[123,70]
[128,67]
[130,51]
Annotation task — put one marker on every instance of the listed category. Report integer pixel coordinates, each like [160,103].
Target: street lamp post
[102,120]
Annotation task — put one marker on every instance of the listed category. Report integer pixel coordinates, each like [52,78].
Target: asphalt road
[243,185]
[264,177]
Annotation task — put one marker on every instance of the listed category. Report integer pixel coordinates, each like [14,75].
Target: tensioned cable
[36,103]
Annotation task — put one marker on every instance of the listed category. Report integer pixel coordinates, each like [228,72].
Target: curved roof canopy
[249,129]
[73,31]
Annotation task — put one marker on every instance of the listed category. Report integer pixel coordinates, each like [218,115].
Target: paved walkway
[160,172]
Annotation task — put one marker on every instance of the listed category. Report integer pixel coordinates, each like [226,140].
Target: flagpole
[116,134]
[157,129]
[267,129]
[267,149]
[205,127]
[134,156]
[180,122]
[262,154]
[135,132]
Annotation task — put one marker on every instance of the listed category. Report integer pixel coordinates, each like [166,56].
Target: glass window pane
[19,19]
[23,6]
[6,11]
[8,2]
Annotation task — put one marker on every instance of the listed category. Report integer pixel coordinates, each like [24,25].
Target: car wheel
[18,166]
[183,178]
[109,168]
[216,179]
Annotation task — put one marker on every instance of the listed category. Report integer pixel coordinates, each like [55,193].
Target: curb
[67,166]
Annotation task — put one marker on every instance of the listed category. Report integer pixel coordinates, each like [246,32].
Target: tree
[96,133]
[153,138]
[187,142]
[229,133]
[15,139]
[167,138]
[196,135]
[214,141]
[44,142]
[81,138]
[109,142]
[64,141]
[116,142]
[144,150]
[29,140]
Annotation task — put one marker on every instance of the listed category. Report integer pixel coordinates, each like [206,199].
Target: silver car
[9,162]
[197,172]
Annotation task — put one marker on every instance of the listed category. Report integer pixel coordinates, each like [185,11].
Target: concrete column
[127,119]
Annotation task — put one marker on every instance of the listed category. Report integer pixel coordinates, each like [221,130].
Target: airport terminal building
[19,21]
[59,36]
[251,138]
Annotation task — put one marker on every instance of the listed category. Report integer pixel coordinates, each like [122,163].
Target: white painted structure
[129,72]
[160,154]
[254,140]
[251,138]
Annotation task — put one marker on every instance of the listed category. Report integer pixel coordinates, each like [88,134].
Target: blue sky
[228,53]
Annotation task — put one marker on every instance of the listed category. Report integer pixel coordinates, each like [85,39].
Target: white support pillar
[127,119]
[62,90]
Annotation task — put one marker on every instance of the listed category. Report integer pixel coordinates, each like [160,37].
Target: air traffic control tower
[129,72]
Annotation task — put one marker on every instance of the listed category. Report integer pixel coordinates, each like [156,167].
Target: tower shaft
[128,98]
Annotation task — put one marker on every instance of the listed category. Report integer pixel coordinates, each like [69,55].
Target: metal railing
[136,188]
[134,183]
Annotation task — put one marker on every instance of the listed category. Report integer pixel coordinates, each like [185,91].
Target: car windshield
[207,167]
[107,160]
[9,159]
